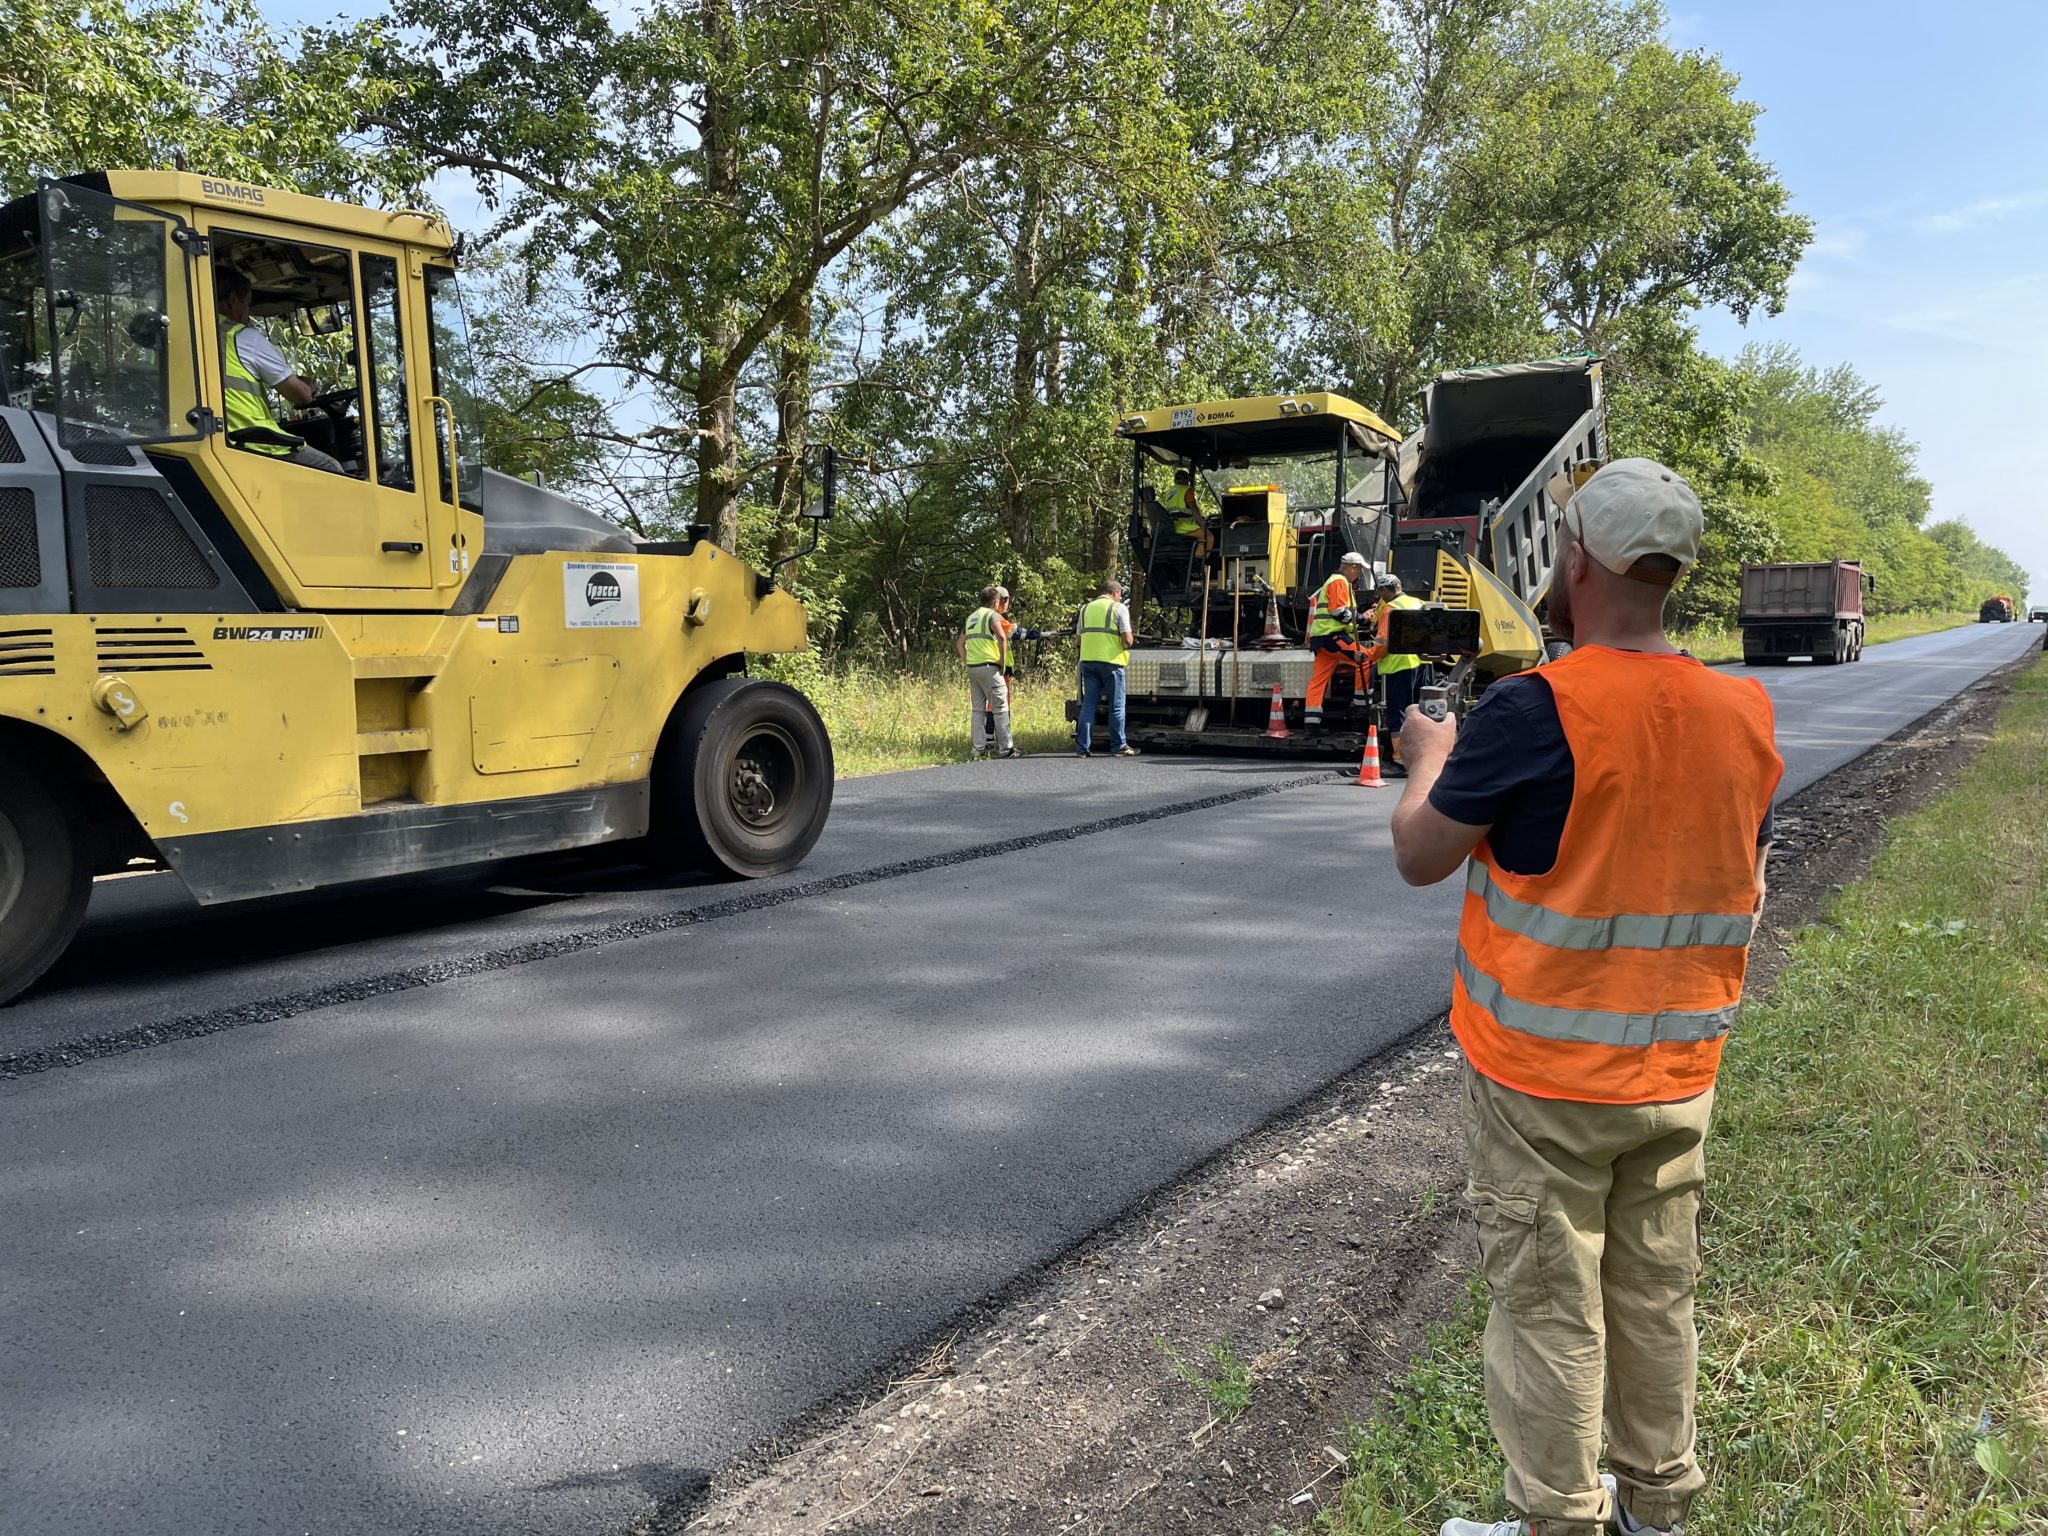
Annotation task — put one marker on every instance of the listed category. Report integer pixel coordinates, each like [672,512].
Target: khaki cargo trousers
[986,689]
[1589,1241]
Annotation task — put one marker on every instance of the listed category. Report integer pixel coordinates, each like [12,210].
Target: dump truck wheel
[44,878]
[742,781]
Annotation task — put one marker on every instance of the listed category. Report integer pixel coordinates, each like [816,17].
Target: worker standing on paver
[1398,673]
[984,644]
[1332,633]
[1616,807]
[1181,506]
[1106,639]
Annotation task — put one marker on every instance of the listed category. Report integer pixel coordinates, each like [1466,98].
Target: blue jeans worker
[1611,814]
[1104,626]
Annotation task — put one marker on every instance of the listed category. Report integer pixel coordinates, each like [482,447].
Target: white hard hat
[1636,507]
[1353,557]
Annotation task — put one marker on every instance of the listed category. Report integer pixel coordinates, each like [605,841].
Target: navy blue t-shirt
[1511,769]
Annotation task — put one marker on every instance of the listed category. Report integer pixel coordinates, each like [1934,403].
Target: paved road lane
[583,1227]
[149,954]
[1828,716]
[637,1205]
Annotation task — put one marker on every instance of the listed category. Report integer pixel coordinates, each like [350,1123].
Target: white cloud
[1839,244]
[1987,210]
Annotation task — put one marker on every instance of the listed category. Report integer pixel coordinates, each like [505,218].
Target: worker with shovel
[1333,618]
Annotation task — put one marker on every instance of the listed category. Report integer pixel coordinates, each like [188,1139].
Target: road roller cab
[280,633]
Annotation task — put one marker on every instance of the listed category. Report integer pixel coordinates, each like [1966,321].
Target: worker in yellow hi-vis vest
[250,361]
[984,644]
[1106,639]
[1185,511]
[1400,673]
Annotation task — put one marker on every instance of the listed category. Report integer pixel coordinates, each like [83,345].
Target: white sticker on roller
[600,595]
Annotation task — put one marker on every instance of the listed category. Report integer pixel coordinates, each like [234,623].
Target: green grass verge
[1874,1357]
[883,721]
[1724,643]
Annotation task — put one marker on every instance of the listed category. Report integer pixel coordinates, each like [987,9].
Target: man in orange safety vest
[1612,812]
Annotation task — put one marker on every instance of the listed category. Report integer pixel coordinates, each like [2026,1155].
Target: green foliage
[202,85]
[1227,1383]
[960,240]
[1872,1351]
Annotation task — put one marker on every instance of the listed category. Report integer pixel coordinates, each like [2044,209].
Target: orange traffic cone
[1369,767]
[1272,639]
[1276,720]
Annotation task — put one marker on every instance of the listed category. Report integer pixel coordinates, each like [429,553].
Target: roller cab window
[290,361]
[96,324]
[458,416]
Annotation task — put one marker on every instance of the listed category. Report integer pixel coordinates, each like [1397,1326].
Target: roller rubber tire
[45,879]
[1555,650]
[742,781]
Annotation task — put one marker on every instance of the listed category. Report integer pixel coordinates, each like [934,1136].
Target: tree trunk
[792,429]
[718,448]
[1024,360]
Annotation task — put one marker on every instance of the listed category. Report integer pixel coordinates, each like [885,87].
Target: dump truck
[1808,608]
[1997,610]
[1484,483]
[329,645]
[1466,510]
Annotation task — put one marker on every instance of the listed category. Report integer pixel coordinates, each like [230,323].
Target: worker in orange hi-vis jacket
[1611,814]
[1332,619]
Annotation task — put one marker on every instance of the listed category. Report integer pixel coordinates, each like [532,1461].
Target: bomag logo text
[232,191]
[268,632]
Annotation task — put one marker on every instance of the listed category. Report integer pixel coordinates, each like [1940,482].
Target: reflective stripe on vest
[1390,662]
[984,643]
[1624,930]
[1592,1026]
[1615,976]
[1101,640]
[245,405]
[1320,621]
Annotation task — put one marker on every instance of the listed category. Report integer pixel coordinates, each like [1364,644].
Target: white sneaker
[1483,1528]
[1626,1523]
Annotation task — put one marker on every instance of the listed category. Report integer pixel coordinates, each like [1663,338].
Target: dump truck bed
[1817,589]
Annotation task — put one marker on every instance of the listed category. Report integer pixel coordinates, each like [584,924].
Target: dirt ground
[1317,1250]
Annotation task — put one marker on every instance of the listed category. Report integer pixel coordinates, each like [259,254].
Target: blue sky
[1916,138]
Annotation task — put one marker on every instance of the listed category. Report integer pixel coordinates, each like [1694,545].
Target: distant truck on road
[1803,608]
[1997,610]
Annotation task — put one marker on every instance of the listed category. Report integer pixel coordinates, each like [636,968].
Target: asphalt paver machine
[269,676]
[1467,511]
[1288,484]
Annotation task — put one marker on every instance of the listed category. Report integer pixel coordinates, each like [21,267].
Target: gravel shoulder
[1317,1251]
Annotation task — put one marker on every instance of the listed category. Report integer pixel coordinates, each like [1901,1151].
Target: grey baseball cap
[1636,507]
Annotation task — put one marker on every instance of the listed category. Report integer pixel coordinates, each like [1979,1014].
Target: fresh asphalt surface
[517,1205]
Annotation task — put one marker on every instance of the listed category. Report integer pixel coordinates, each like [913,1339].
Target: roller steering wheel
[335,402]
